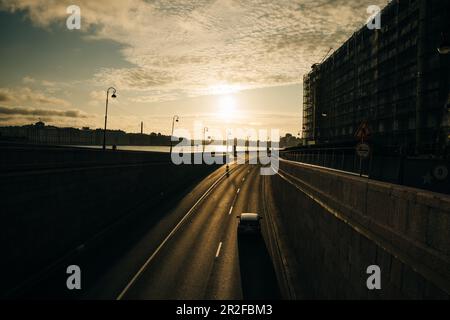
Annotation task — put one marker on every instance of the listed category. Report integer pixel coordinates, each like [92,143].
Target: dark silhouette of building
[394,78]
[42,134]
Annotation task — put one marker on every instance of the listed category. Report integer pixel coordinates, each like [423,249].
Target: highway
[194,252]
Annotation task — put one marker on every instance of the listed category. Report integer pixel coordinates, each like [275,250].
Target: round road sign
[363,150]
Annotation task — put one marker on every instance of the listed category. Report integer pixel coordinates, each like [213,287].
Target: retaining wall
[340,224]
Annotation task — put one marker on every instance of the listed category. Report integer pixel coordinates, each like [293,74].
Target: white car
[249,223]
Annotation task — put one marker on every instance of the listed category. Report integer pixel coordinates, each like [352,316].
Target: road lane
[225,280]
[181,269]
[245,270]
[258,278]
[113,279]
[205,258]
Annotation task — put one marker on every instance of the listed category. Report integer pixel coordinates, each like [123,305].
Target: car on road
[249,223]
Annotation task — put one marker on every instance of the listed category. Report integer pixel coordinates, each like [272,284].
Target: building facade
[393,78]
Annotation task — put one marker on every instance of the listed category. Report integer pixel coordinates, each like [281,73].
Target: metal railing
[428,173]
[344,159]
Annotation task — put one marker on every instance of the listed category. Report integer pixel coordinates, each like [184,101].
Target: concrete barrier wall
[340,224]
[47,213]
[15,157]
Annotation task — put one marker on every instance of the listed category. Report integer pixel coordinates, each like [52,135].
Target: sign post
[362,148]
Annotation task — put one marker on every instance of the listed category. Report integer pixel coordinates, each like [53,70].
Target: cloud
[28,80]
[4,97]
[46,83]
[29,97]
[189,46]
[22,105]
[135,78]
[97,95]
[156,96]
[22,111]
[20,115]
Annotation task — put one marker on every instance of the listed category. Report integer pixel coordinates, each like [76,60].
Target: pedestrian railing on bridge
[429,173]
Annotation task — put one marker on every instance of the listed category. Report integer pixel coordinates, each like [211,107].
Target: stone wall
[339,224]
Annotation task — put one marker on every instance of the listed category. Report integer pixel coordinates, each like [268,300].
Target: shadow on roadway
[258,277]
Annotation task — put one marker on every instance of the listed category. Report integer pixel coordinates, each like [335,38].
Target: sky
[221,63]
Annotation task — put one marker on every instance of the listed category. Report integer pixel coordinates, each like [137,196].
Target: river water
[208,148]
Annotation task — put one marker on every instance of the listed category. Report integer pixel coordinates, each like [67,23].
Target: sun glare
[227,107]
[222,89]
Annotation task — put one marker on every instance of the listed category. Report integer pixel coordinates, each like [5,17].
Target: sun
[227,107]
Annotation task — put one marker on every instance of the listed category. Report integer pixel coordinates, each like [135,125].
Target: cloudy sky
[226,63]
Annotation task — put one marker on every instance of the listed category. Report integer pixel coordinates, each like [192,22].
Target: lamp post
[227,152]
[248,144]
[205,130]
[106,113]
[174,119]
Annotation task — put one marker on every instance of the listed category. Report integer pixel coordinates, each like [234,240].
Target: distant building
[289,141]
[42,134]
[393,78]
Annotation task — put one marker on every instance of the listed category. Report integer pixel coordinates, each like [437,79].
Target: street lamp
[106,113]
[174,119]
[205,130]
[227,152]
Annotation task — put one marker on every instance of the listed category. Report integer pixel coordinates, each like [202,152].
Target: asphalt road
[203,258]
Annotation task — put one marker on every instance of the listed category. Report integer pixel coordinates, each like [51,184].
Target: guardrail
[432,174]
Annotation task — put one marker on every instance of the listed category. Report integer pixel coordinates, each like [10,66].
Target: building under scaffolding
[393,78]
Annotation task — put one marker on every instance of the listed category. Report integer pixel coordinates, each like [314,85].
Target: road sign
[363,150]
[363,131]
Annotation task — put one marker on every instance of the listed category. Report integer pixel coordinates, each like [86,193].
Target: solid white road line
[186,216]
[218,250]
